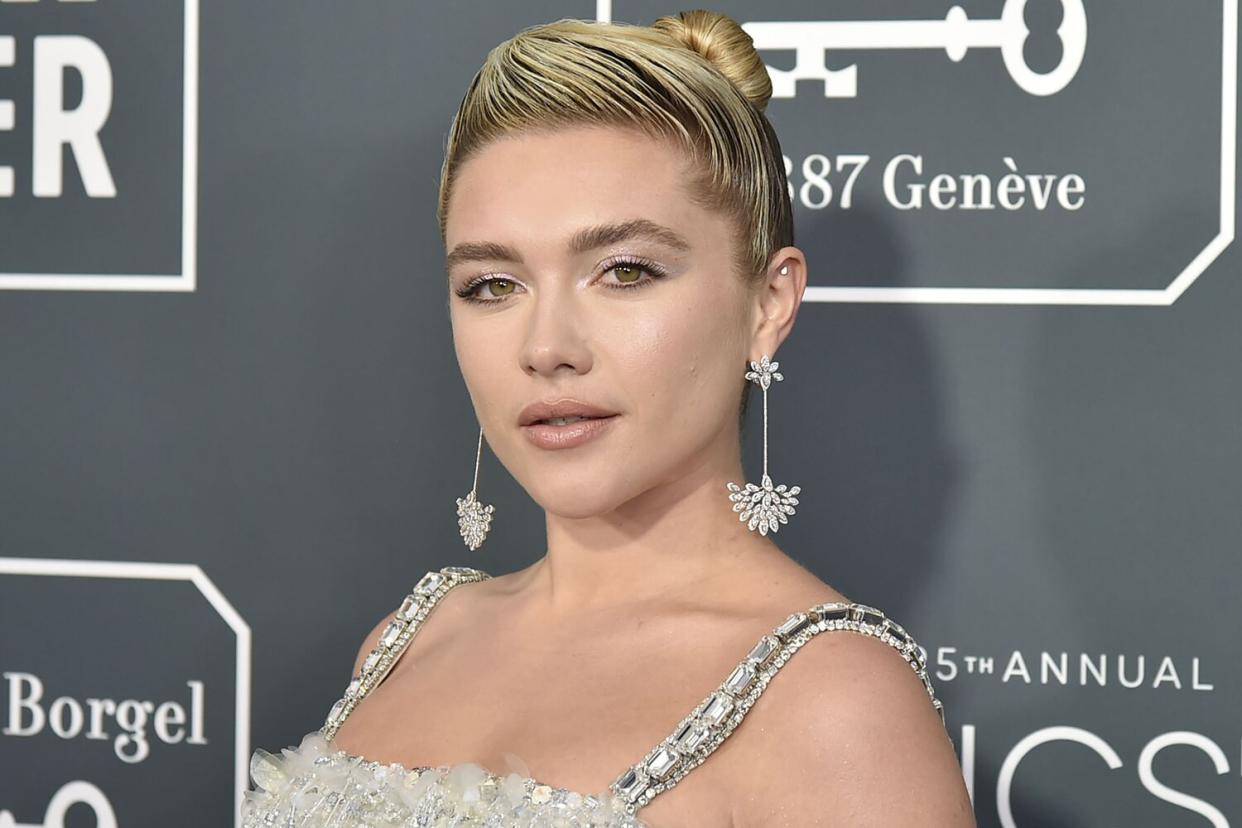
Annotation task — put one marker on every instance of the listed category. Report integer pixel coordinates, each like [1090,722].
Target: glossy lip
[567,407]
[566,436]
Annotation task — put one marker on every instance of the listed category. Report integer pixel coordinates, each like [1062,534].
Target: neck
[673,540]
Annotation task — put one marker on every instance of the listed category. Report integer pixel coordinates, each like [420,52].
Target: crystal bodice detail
[316,785]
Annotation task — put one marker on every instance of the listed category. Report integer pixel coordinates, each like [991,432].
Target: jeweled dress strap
[396,637]
[699,734]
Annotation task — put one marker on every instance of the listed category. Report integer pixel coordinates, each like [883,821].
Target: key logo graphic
[956,35]
[98,144]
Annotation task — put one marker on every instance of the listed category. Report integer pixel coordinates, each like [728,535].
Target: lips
[544,410]
[546,435]
[568,419]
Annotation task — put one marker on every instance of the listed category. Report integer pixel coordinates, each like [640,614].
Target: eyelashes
[469,291]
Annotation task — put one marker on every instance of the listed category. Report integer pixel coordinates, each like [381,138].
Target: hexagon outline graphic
[1083,296]
[137,570]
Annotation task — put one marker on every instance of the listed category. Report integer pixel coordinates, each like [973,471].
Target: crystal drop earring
[474,520]
[764,507]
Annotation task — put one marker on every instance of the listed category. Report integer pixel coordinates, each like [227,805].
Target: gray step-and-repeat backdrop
[232,427]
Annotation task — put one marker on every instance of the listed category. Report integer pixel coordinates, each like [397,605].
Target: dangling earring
[763,506]
[474,519]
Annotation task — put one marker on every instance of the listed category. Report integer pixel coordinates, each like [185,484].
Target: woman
[620,269]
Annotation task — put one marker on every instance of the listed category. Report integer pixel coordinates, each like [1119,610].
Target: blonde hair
[695,78]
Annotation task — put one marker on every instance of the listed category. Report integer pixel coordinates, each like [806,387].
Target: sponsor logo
[98,144]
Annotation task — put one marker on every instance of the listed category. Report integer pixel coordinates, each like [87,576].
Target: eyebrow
[586,239]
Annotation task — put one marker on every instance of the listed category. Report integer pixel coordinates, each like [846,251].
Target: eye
[628,270]
[500,287]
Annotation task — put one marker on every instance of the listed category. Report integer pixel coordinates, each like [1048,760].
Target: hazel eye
[499,287]
[628,273]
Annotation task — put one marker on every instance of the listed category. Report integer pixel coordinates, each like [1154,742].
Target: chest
[572,713]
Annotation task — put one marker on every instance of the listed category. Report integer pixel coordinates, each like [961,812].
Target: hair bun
[724,43]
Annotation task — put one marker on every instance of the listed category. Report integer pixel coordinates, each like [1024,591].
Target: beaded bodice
[317,785]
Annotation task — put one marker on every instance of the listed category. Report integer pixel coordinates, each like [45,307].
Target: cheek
[681,361]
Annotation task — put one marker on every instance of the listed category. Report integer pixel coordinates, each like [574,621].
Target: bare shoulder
[849,736]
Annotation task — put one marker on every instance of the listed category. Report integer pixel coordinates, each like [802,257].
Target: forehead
[546,185]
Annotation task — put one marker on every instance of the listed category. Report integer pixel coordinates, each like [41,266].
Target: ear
[776,301]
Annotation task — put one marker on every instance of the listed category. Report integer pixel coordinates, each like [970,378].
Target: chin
[577,495]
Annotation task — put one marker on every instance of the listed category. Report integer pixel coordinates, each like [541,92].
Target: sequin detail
[316,786]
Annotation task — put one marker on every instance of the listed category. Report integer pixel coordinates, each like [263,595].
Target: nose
[554,340]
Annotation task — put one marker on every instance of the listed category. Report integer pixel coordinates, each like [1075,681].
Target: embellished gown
[317,785]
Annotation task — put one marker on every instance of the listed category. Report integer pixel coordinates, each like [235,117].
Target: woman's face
[568,315]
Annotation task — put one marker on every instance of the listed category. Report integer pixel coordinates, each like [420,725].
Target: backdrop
[232,426]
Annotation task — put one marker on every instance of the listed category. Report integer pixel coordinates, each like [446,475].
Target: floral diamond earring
[763,507]
[474,520]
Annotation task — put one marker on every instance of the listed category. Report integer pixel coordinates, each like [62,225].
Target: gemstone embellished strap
[707,726]
[396,637]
